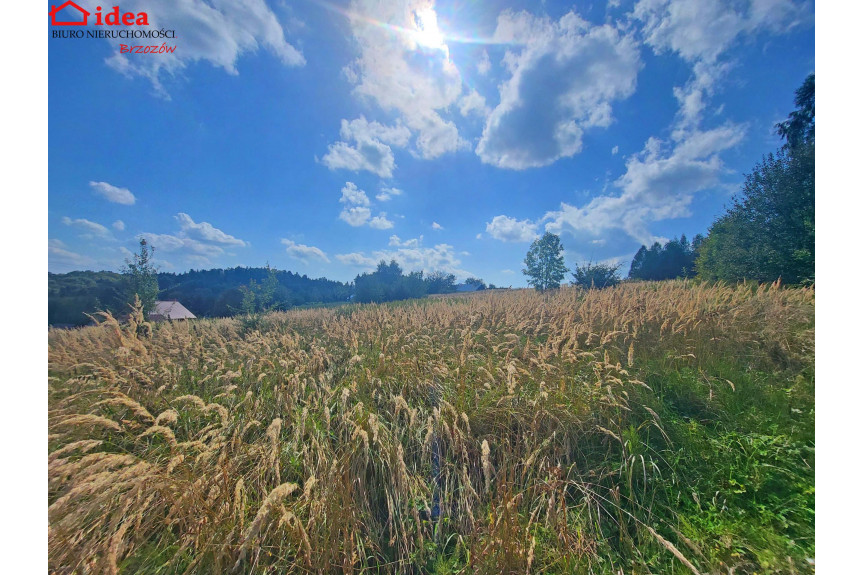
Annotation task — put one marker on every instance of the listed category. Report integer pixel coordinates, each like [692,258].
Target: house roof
[170,310]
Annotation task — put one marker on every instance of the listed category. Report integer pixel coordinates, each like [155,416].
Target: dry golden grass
[306,441]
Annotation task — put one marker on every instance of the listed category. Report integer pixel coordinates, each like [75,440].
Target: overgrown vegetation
[648,428]
[596,276]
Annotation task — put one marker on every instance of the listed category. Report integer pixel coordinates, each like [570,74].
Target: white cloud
[483,65]
[195,243]
[436,226]
[183,246]
[704,29]
[563,81]
[357,259]
[60,257]
[386,194]
[356,216]
[614,150]
[366,146]
[411,256]
[700,31]
[91,230]
[213,31]
[356,211]
[659,184]
[303,252]
[390,72]
[473,103]
[380,222]
[371,156]
[441,257]
[661,181]
[113,193]
[397,242]
[205,231]
[119,225]
[353,196]
[509,229]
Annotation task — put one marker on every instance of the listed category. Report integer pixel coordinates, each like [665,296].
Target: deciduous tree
[141,278]
[544,265]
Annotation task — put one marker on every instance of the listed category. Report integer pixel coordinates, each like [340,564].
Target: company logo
[112,18]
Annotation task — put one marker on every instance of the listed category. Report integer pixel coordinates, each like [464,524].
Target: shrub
[596,275]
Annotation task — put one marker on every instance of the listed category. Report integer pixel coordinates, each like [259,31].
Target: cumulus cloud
[386,194]
[700,31]
[183,246]
[397,242]
[380,222]
[205,231]
[113,193]
[704,29]
[90,230]
[213,31]
[366,146]
[352,195]
[194,243]
[356,211]
[401,75]
[661,181]
[564,77]
[119,225]
[436,226]
[509,229]
[357,260]
[659,184]
[411,256]
[473,103]
[304,253]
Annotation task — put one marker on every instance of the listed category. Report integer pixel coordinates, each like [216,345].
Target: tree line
[206,293]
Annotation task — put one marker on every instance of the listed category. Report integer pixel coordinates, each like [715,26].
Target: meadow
[656,427]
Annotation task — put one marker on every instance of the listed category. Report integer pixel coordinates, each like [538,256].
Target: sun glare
[427,33]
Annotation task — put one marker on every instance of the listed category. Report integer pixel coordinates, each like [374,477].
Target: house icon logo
[56,9]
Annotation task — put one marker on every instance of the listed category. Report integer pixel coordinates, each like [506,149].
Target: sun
[427,33]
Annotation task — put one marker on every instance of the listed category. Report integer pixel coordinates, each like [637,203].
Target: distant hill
[206,293]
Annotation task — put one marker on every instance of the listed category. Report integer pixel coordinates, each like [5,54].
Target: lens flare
[427,33]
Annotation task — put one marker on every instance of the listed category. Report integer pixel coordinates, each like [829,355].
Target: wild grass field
[650,428]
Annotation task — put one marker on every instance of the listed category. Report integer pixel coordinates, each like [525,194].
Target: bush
[596,275]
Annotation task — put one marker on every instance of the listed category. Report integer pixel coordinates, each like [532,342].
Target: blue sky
[323,136]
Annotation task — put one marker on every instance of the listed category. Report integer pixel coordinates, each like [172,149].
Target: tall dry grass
[507,432]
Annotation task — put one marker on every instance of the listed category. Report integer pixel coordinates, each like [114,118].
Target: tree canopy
[676,258]
[544,264]
[769,231]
